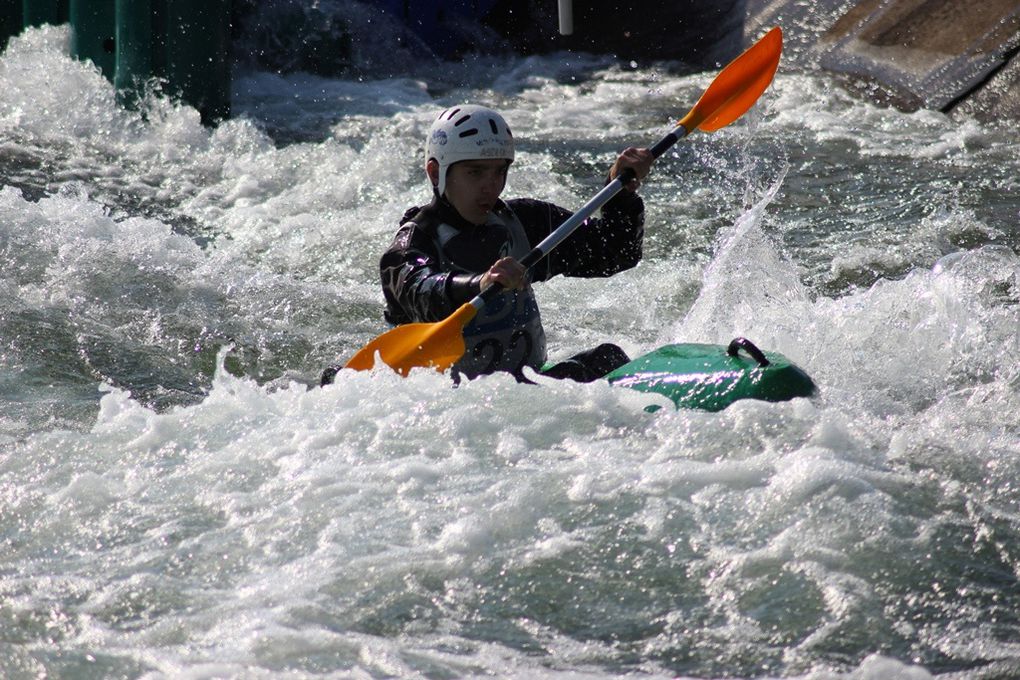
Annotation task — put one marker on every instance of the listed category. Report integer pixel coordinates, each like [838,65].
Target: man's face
[473,187]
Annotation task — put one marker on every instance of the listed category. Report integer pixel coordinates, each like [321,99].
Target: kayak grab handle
[737,344]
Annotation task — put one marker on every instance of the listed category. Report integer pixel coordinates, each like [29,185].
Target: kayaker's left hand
[639,159]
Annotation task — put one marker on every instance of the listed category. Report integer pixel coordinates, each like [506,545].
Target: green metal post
[11,20]
[134,37]
[93,33]
[39,12]
[183,42]
[198,54]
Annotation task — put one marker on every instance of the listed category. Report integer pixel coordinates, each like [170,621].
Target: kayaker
[468,238]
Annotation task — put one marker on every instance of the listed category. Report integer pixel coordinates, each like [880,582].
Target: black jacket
[418,287]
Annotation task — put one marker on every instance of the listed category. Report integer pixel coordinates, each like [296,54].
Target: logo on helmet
[439,137]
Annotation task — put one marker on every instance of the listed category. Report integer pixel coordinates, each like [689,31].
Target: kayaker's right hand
[639,160]
[507,272]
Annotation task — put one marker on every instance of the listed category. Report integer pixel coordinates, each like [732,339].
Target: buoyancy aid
[507,333]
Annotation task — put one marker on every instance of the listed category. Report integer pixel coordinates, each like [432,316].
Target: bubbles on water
[404,526]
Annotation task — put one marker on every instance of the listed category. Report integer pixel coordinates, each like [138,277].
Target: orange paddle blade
[738,86]
[439,345]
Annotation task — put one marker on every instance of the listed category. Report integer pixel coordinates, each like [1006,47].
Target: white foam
[385,525]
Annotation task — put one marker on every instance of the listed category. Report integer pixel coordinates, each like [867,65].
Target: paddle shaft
[562,232]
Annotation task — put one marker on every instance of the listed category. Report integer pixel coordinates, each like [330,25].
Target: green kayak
[711,377]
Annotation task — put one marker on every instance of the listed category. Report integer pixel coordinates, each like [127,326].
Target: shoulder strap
[519,244]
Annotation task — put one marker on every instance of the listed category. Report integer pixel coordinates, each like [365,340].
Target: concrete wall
[939,54]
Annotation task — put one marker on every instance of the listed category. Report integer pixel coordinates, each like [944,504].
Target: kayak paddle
[441,344]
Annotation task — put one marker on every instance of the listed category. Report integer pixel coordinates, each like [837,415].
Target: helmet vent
[453,113]
[492,124]
[469,133]
[463,120]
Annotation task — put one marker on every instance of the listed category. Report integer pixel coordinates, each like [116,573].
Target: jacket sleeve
[416,287]
[599,247]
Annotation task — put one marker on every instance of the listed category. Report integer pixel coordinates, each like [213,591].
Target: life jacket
[507,333]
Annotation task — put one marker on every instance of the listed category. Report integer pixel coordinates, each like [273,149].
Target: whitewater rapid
[177,499]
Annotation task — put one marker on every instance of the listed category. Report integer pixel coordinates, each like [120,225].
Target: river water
[177,501]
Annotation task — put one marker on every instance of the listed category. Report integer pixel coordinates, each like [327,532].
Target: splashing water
[176,502]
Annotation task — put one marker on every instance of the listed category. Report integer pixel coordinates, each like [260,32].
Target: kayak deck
[711,377]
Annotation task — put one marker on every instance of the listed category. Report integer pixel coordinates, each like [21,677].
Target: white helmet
[464,133]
